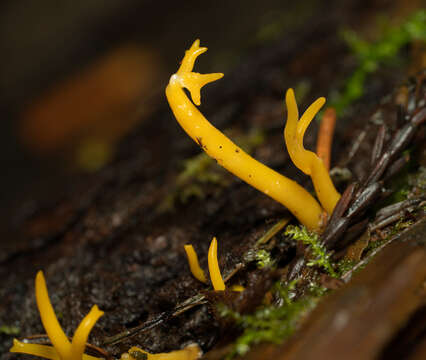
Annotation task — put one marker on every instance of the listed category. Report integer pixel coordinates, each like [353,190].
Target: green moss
[201,170]
[373,245]
[9,330]
[270,323]
[371,55]
[399,226]
[344,265]
[320,256]
[263,259]
[316,291]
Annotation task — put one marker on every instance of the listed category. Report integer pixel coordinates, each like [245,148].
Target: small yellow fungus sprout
[306,160]
[302,204]
[62,348]
[237,288]
[191,352]
[194,266]
[215,275]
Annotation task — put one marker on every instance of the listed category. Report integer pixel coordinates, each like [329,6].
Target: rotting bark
[107,243]
[360,320]
[376,303]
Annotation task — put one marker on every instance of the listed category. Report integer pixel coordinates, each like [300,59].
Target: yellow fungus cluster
[214,270]
[233,158]
[302,204]
[62,348]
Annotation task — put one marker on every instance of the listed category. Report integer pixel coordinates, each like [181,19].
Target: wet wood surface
[360,319]
[108,241]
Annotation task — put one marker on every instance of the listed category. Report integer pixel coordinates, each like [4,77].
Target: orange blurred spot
[102,101]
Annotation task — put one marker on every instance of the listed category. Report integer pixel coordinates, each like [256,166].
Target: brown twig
[325,136]
[386,160]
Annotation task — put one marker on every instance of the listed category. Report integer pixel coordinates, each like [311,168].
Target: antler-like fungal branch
[303,206]
[62,348]
[306,160]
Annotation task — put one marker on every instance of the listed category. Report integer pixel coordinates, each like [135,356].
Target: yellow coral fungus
[191,352]
[194,265]
[303,206]
[62,348]
[305,160]
[214,270]
[215,275]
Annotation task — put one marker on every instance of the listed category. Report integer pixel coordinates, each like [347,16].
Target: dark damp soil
[108,241]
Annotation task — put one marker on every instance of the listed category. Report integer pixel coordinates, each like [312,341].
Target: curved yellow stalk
[62,348]
[214,270]
[194,265]
[303,206]
[81,334]
[306,160]
[45,351]
[48,318]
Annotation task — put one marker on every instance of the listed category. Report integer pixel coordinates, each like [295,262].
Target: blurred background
[77,76]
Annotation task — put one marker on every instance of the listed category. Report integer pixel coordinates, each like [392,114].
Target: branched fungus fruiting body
[62,348]
[306,160]
[303,206]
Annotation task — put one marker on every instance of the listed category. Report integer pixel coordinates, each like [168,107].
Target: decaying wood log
[109,242]
[359,320]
